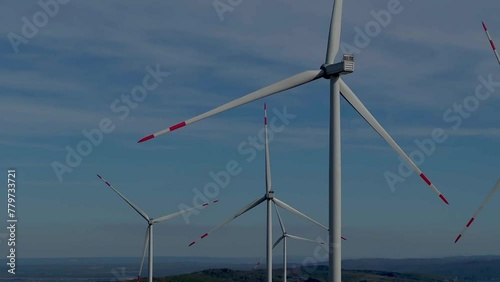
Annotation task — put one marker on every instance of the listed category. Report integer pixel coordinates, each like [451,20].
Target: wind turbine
[474,216]
[491,42]
[269,197]
[148,241]
[283,238]
[331,71]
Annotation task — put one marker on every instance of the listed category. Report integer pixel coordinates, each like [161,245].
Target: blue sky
[65,79]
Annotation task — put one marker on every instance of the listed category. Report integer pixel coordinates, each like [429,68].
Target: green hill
[319,274]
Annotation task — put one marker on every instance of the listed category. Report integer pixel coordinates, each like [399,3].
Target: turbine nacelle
[346,66]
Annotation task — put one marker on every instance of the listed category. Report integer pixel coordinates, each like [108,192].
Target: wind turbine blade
[268,162]
[260,261]
[334,34]
[277,87]
[304,239]
[170,216]
[279,219]
[240,212]
[146,240]
[495,188]
[274,245]
[292,210]
[257,265]
[363,111]
[136,208]
[491,42]
[278,241]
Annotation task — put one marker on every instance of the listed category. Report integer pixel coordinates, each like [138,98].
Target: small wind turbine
[491,42]
[474,216]
[283,238]
[269,197]
[331,71]
[148,241]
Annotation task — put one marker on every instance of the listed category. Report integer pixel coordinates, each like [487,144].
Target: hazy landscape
[250,140]
[456,269]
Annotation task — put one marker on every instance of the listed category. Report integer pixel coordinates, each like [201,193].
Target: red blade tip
[343,238]
[205,204]
[146,138]
[99,176]
[177,126]
[265,106]
[216,201]
[470,222]
[484,26]
[192,243]
[458,238]
[204,235]
[443,198]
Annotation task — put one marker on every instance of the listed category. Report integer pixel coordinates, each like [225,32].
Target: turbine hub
[270,195]
[346,66]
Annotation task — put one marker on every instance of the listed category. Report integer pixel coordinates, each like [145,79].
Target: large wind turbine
[148,241]
[493,47]
[332,71]
[283,238]
[269,197]
[474,216]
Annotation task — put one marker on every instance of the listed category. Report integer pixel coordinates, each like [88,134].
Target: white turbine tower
[493,47]
[283,238]
[148,241]
[269,197]
[474,216]
[331,71]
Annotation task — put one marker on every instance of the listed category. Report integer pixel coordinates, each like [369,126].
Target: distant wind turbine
[269,197]
[474,216]
[331,71]
[283,238]
[493,47]
[148,241]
